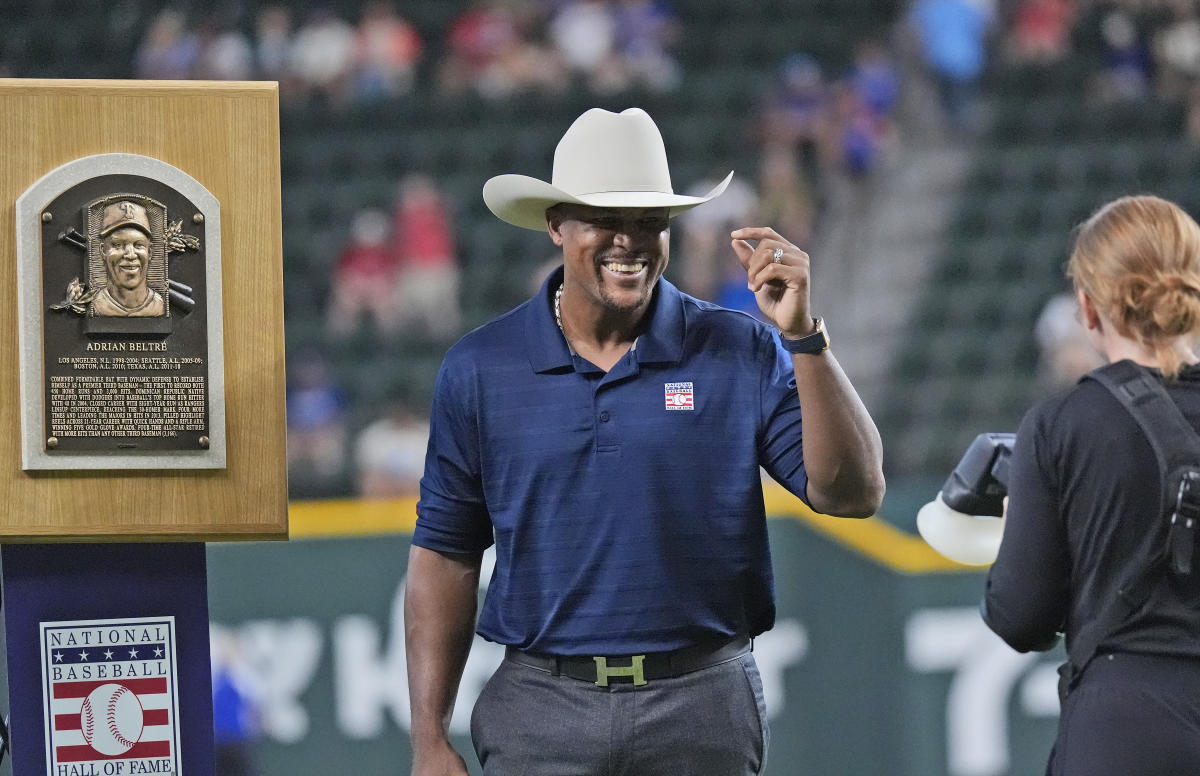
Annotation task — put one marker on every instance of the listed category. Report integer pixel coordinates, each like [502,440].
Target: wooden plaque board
[226,136]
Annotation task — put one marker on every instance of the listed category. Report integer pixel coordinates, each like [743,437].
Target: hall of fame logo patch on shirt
[110,697]
[679,396]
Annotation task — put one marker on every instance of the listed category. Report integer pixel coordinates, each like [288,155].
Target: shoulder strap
[1177,450]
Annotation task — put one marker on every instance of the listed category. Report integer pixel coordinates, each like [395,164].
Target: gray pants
[710,722]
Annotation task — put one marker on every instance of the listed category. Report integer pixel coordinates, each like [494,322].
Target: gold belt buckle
[634,669]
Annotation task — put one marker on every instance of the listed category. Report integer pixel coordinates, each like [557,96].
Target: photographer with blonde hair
[1088,547]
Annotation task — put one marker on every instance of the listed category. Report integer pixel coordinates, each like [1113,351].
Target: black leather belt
[639,669]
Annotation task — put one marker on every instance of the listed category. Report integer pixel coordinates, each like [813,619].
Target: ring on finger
[777,257]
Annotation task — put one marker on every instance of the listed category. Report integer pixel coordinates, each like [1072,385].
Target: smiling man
[125,249]
[607,436]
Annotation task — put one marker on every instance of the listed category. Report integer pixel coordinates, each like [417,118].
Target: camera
[979,482]
[965,522]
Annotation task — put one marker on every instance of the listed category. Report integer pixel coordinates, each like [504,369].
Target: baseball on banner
[111,719]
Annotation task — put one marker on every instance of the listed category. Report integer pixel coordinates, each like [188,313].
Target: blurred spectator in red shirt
[424,251]
[1040,30]
[365,278]
[495,49]
[386,52]
[474,43]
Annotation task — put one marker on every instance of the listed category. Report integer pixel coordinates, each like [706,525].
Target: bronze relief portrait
[127,240]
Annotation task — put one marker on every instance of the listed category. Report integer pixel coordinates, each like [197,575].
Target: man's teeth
[625,267]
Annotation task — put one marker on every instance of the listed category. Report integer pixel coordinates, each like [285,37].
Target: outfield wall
[878,663]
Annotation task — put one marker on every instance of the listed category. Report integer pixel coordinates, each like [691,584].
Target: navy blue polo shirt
[626,507]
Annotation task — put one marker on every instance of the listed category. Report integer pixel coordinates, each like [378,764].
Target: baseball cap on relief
[124,213]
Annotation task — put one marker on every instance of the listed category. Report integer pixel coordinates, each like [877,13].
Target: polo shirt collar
[662,342]
[548,351]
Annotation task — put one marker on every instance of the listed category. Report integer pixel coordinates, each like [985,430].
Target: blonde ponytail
[1138,258]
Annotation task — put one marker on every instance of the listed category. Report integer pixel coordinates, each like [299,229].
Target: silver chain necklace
[557,301]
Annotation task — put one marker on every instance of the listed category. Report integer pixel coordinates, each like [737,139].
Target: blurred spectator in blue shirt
[953,38]
[170,50]
[858,134]
[794,113]
[876,78]
[646,34]
[796,106]
[316,420]
[1125,63]
[235,722]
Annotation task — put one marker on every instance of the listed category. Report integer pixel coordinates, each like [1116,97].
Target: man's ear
[554,226]
[1087,309]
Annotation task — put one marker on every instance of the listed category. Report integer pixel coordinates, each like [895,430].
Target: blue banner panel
[108,659]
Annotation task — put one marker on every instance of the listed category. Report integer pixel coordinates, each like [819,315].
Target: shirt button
[604,416]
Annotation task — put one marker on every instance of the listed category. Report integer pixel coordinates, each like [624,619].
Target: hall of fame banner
[110,697]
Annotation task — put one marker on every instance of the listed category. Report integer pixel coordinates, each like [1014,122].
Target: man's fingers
[755,257]
[758,258]
[770,273]
[744,252]
[756,233]
[792,271]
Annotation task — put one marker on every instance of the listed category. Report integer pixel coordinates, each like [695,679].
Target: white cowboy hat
[604,160]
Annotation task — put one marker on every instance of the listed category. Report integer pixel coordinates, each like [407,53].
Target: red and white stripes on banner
[66,707]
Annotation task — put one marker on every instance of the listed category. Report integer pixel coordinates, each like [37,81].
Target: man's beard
[610,302]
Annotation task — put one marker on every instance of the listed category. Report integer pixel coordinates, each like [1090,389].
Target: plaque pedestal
[82,617]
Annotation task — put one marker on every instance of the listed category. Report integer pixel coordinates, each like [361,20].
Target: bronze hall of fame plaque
[119,295]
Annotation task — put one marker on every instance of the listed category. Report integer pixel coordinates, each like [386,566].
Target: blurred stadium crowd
[394,114]
[837,116]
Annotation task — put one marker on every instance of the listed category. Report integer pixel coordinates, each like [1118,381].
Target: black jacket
[1083,519]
